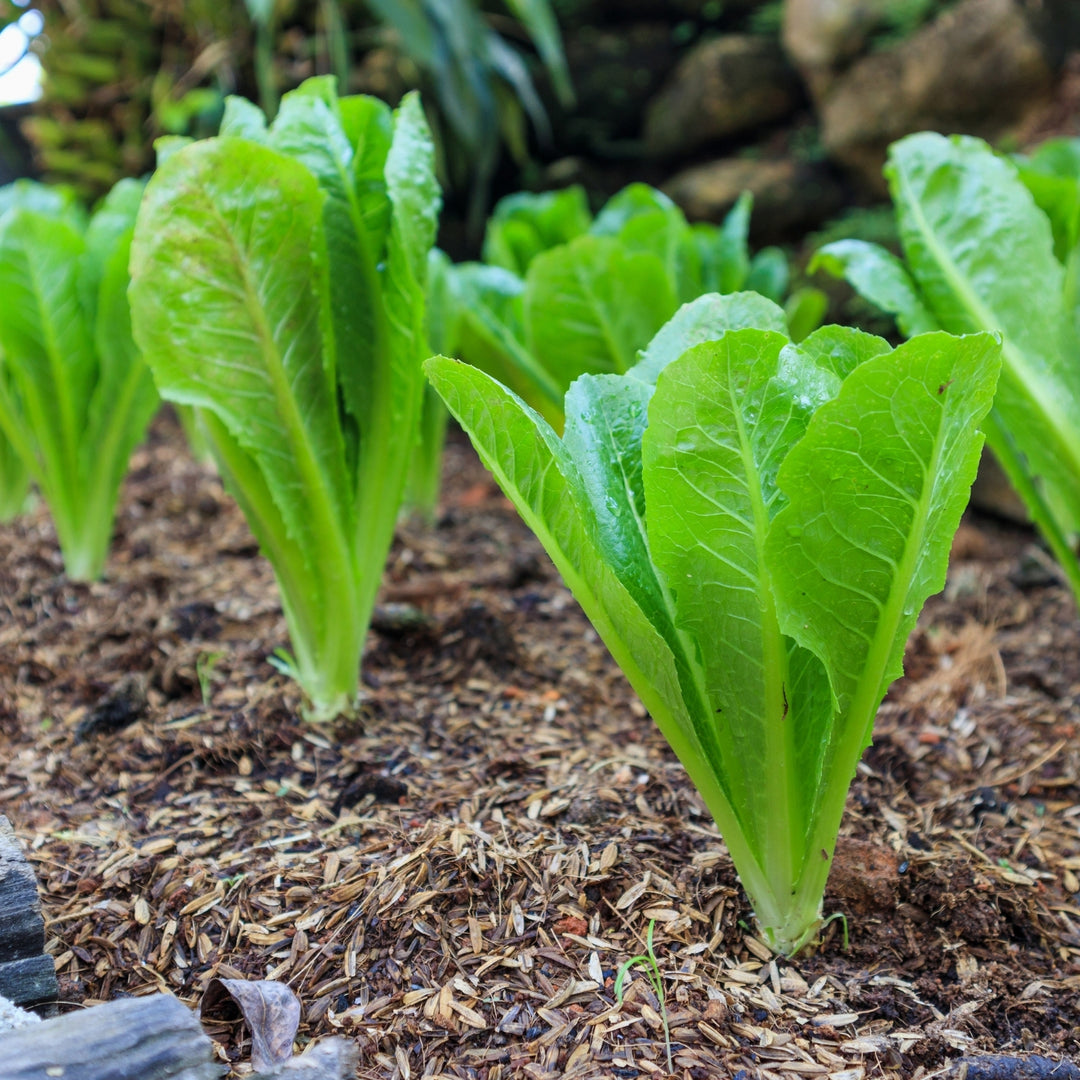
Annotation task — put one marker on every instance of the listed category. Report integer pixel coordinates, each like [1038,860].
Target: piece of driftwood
[27,976]
[1005,1067]
[147,1038]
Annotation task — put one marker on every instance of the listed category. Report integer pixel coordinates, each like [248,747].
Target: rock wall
[796,102]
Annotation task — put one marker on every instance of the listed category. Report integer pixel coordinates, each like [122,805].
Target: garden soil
[455,878]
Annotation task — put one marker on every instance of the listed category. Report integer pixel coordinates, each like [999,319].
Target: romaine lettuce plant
[75,397]
[561,293]
[752,526]
[278,278]
[525,224]
[58,201]
[992,245]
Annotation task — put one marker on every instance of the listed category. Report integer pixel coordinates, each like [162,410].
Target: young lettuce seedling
[278,278]
[752,526]
[981,253]
[75,397]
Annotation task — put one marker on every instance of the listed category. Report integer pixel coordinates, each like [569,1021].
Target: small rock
[12,1017]
[332,1059]
[788,194]
[864,876]
[820,36]
[978,68]
[731,84]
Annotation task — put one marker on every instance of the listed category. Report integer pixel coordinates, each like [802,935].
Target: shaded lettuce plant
[75,396]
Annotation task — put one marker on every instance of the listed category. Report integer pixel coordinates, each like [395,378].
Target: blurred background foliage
[792,100]
[119,73]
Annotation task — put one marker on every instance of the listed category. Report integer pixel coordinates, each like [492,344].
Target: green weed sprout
[649,962]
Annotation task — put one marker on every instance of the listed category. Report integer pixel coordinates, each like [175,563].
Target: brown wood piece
[148,1038]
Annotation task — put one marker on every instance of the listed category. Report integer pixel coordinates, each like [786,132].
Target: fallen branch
[129,1039]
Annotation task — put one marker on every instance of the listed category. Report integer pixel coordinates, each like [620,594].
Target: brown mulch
[455,880]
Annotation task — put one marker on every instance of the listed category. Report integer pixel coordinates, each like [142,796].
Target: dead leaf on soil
[271,1010]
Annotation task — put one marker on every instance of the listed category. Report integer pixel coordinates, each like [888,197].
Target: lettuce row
[278,279]
[75,396]
[561,294]
[752,526]
[992,245]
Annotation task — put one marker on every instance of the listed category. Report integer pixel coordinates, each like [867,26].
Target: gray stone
[722,87]
[27,974]
[12,1017]
[825,33]
[820,36]
[978,68]
[789,195]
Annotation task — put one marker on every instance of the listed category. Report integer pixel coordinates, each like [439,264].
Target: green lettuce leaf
[705,319]
[882,278]
[978,251]
[590,305]
[525,224]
